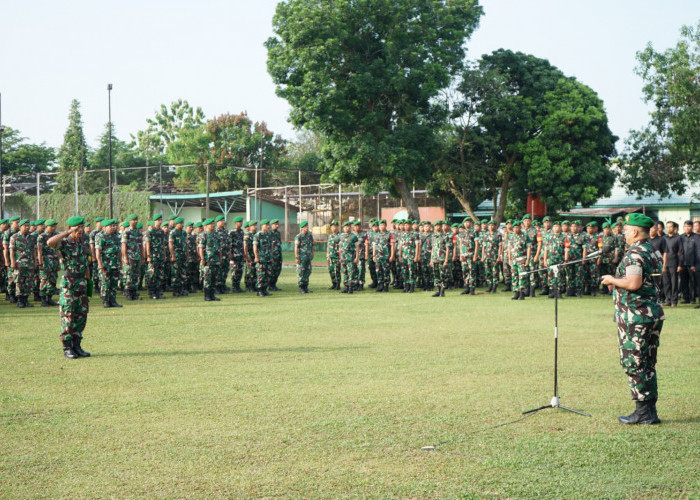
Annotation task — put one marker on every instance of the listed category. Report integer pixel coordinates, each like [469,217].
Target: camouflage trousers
[167,272]
[49,276]
[574,277]
[491,272]
[556,282]
[347,267]
[95,273]
[372,270]
[222,274]
[237,271]
[11,285]
[303,272]
[155,277]
[470,271]
[534,278]
[132,275]
[440,274]
[3,279]
[193,275]
[639,343]
[480,273]
[607,267]
[73,306]
[410,271]
[519,282]
[211,270]
[383,270]
[334,269]
[180,273]
[275,269]
[590,274]
[251,279]
[263,271]
[359,276]
[393,268]
[426,273]
[24,281]
[507,278]
[36,282]
[109,277]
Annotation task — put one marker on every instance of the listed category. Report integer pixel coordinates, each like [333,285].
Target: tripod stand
[554,403]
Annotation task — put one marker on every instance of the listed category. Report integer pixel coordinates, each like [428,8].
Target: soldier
[441,256]
[107,246]
[363,254]
[639,317]
[177,244]
[154,242]
[590,268]
[39,227]
[74,305]
[466,250]
[382,256]
[543,235]
[23,263]
[507,276]
[142,266]
[276,264]
[369,242]
[332,249]
[210,257]
[426,249]
[531,233]
[554,256]
[193,230]
[94,272]
[237,257]
[262,248]
[673,258]
[410,250]
[221,232]
[348,256]
[304,256]
[251,278]
[394,265]
[609,256]
[574,250]
[519,256]
[11,285]
[167,257]
[491,254]
[4,225]
[132,253]
[688,264]
[48,265]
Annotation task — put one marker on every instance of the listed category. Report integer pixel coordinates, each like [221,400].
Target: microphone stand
[555,402]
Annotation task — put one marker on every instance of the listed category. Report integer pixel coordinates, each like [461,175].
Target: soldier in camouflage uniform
[251,279]
[132,252]
[410,255]
[39,228]
[639,317]
[210,257]
[590,268]
[107,247]
[177,243]
[348,256]
[23,262]
[574,250]
[507,273]
[426,249]
[542,238]
[192,283]
[531,233]
[491,254]
[221,232]
[276,264]
[237,257]
[74,246]
[48,265]
[304,256]
[394,265]
[382,256]
[554,256]
[4,225]
[359,277]
[262,248]
[609,257]
[373,228]
[11,294]
[466,249]
[94,272]
[332,249]
[155,246]
[519,255]
[441,256]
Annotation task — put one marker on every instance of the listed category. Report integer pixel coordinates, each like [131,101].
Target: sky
[211,53]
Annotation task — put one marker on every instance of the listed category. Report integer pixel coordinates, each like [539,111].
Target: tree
[72,153]
[664,156]
[123,155]
[361,73]
[170,123]
[20,157]
[520,126]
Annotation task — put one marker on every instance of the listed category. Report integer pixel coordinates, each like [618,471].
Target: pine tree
[72,154]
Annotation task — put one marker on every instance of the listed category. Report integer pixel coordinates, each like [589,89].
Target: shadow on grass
[687,420]
[262,350]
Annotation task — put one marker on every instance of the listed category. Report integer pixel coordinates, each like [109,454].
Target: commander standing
[639,317]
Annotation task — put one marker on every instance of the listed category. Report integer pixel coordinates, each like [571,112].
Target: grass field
[329,395]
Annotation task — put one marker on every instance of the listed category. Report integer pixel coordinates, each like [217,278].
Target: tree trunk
[462,200]
[407,198]
[505,186]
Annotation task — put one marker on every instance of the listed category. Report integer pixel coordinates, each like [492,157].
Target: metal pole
[109,125]
[207,199]
[379,211]
[38,194]
[286,215]
[360,204]
[340,203]
[160,184]
[2,178]
[262,136]
[75,180]
[255,192]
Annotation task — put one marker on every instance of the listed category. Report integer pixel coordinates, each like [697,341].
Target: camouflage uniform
[507,271]
[333,258]
[132,269]
[359,278]
[408,252]
[179,273]
[11,285]
[264,242]
[236,237]
[442,247]
[209,243]
[305,242]
[348,253]
[533,238]
[426,249]
[74,304]
[608,247]
[590,268]
[224,266]
[517,248]
[251,278]
[49,271]
[24,247]
[491,244]
[192,262]
[276,264]
[155,279]
[554,244]
[574,272]
[639,318]
[466,241]
[109,246]
[94,271]
[381,249]
[372,268]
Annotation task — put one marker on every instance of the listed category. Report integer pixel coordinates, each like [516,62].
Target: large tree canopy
[72,155]
[518,125]
[361,73]
[663,156]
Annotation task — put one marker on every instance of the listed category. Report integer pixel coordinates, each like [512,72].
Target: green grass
[329,395]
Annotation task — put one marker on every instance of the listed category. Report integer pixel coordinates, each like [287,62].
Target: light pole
[2,180]
[109,112]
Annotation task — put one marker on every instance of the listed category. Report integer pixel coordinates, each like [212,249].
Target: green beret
[303,224]
[75,221]
[253,223]
[394,219]
[591,224]
[189,224]
[99,219]
[208,221]
[125,223]
[132,217]
[155,217]
[372,219]
[509,221]
[12,219]
[466,219]
[218,218]
[264,221]
[492,221]
[274,221]
[347,222]
[197,224]
[139,225]
[577,221]
[23,222]
[606,224]
[172,217]
[516,222]
[536,223]
[334,223]
[31,223]
[456,224]
[179,220]
[374,222]
[39,222]
[637,219]
[3,221]
[238,219]
[51,222]
[565,222]
[106,222]
[526,216]
[245,224]
[382,221]
[358,222]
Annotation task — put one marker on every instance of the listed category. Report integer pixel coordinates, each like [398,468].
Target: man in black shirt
[696,236]
[672,263]
[688,263]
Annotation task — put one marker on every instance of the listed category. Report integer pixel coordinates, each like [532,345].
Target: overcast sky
[211,53]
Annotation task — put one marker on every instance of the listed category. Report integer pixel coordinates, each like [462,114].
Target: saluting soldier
[332,248]
[237,257]
[107,247]
[177,243]
[47,258]
[23,262]
[304,256]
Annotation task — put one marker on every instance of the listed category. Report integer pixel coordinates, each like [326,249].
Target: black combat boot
[105,303]
[79,350]
[412,289]
[521,296]
[587,290]
[644,413]
[594,291]
[113,302]
[68,349]
[212,296]
[153,294]
[13,298]
[43,302]
[465,291]
[37,297]
[495,288]
[442,291]
[437,292]
[545,291]
[532,292]
[50,302]
[351,288]
[569,292]
[472,290]
[344,290]
[551,294]
[379,288]
[373,285]
[516,295]
[20,302]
